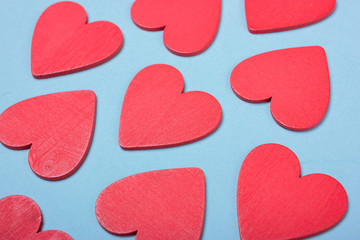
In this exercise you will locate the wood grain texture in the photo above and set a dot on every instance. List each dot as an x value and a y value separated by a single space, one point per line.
157 114
64 43
165 204
274 202
21 218
58 129
295 80
264 16
189 26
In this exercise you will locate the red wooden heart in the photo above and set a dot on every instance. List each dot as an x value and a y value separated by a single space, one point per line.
274 202
165 204
58 129
64 43
265 16
21 218
296 80
155 113
189 26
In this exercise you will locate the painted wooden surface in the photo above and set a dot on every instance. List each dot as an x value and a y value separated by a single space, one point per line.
156 113
331 148
64 43
295 80
21 218
264 16
189 26
58 129
274 202
164 204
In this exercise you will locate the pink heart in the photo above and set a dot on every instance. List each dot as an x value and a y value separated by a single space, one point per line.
295 80
265 16
274 202
58 129
64 43
156 113
166 204
189 26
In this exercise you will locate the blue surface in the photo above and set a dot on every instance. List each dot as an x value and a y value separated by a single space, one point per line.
332 148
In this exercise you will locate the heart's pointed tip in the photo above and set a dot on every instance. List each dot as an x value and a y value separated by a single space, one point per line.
37 76
90 94
125 146
255 30
123 140
35 71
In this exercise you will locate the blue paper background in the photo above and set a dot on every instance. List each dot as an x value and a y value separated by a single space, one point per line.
331 148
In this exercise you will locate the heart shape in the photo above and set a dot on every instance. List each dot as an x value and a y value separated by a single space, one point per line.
58 129
274 202
21 218
164 204
64 43
189 26
155 113
264 16
296 80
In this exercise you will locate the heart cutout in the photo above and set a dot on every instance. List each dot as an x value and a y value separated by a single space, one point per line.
64 43
21 218
58 129
189 26
156 114
164 204
274 202
264 16
296 80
